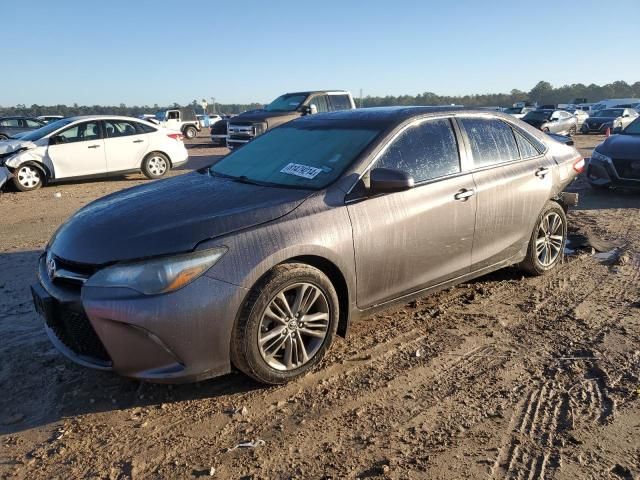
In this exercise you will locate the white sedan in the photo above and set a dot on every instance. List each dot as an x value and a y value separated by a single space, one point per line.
91 146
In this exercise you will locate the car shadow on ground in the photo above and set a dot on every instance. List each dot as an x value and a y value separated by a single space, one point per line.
40 386
600 199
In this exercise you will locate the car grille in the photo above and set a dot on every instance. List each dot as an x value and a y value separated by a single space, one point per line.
624 168
73 328
594 126
72 274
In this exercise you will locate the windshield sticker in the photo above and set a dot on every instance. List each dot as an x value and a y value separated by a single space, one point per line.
303 171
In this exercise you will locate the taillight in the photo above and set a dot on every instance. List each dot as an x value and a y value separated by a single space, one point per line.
175 136
578 165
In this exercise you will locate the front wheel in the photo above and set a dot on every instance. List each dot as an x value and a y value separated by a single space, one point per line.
27 178
546 245
572 131
155 165
286 325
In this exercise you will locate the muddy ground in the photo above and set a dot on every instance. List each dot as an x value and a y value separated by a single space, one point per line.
503 377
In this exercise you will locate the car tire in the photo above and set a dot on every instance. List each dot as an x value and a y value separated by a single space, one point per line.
546 245
3 137
545 130
27 178
155 165
268 333
572 131
190 132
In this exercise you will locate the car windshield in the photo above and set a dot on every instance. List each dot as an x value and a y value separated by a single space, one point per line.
46 130
609 112
538 115
285 103
633 128
309 156
513 110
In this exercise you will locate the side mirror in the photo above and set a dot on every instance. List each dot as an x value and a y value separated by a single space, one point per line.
309 109
626 115
313 109
388 180
56 140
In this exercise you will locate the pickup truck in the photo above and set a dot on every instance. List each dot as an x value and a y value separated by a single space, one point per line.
245 127
180 119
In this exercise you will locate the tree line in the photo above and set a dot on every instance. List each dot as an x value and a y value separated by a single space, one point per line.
542 92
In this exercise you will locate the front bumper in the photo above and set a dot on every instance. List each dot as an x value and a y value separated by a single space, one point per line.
604 174
5 176
597 128
177 337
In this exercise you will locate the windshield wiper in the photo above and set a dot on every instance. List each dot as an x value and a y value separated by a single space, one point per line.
240 179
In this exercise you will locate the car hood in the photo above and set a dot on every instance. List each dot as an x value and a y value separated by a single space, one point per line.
9 147
168 216
621 146
271 118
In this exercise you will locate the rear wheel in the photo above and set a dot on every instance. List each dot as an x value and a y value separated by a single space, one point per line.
27 178
155 165
287 324
572 131
545 130
546 245
190 132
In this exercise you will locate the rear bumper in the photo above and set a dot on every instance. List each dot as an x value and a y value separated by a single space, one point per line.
604 174
178 337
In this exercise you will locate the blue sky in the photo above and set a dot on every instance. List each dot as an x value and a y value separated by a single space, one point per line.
156 51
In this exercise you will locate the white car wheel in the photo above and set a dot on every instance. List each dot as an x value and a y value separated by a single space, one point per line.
27 178
156 165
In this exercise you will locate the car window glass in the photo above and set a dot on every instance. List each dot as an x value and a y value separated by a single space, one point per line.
9 122
142 128
80 133
527 150
425 151
119 128
320 101
492 141
173 116
32 123
339 102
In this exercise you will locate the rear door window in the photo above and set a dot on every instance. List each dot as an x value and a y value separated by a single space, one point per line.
119 128
425 151
339 102
492 141
9 122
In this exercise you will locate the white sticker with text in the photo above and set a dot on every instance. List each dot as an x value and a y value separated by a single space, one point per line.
303 171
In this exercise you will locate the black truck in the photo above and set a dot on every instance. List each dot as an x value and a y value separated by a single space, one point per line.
248 125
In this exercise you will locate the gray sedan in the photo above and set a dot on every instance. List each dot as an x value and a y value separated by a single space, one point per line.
260 260
552 121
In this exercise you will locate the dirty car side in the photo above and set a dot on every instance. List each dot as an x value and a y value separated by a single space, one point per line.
374 248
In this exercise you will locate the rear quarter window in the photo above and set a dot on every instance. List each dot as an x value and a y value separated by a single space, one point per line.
339 102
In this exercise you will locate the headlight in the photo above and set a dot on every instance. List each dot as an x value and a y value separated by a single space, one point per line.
159 275
600 157
259 128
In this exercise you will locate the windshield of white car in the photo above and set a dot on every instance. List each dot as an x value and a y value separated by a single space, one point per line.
609 112
46 130
285 103
308 156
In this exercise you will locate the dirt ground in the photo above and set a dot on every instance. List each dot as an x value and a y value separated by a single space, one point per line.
503 377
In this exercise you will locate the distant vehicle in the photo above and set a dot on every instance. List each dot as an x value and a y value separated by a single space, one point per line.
246 126
260 260
580 115
518 112
616 161
552 121
10 126
203 120
180 119
219 133
613 102
91 146
614 119
49 118
214 118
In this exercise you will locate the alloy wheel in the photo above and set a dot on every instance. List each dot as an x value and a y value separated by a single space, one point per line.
157 166
29 177
293 326
550 239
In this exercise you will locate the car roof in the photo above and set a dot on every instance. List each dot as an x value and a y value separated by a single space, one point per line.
389 116
9 117
310 92
101 117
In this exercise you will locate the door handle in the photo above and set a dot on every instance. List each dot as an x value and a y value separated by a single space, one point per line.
93 146
138 141
542 172
464 194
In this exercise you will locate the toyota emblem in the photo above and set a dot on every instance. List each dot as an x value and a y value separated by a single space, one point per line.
51 268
